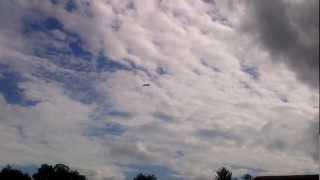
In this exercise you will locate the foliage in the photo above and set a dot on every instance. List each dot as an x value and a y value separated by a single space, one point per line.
145 177
59 171
223 174
45 172
9 173
247 177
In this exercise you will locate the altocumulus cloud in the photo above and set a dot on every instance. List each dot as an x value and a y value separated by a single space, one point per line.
72 75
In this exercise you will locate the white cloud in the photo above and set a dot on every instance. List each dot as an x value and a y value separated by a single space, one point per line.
246 121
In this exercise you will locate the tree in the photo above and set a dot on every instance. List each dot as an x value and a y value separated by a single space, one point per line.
142 176
59 171
247 177
223 174
44 172
9 173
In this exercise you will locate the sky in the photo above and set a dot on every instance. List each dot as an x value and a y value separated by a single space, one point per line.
232 83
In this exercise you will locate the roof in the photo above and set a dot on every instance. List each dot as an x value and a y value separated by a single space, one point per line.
294 177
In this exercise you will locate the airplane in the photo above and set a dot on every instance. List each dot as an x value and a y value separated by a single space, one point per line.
146 85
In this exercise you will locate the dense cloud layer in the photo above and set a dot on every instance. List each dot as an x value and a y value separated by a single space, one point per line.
289 30
72 77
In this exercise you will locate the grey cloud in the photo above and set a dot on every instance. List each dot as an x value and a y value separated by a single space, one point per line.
290 32
130 152
312 137
219 135
120 114
276 136
163 116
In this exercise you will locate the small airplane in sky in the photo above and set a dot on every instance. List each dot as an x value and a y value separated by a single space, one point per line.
146 85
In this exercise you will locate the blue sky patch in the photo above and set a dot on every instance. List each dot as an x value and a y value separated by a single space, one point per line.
250 170
160 171
66 49
79 87
49 39
55 2
36 24
163 117
114 129
212 67
106 64
162 71
252 71
70 6
137 67
10 89
119 114
52 23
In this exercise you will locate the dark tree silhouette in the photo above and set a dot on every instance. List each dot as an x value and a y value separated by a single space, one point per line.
223 174
247 177
141 176
59 171
44 172
8 173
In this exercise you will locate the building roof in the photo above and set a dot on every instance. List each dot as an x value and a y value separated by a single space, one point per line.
294 177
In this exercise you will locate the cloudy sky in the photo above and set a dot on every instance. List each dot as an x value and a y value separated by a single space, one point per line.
232 83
